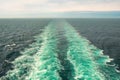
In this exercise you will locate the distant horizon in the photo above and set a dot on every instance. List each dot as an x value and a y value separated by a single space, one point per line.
60 8
75 14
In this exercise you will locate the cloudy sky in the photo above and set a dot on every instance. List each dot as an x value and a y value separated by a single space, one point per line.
54 8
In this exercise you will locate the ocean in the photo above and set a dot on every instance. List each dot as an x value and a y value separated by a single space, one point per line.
60 49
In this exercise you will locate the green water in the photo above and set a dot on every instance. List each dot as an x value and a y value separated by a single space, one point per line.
41 62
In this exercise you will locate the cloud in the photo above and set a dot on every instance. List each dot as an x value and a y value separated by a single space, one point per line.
12 8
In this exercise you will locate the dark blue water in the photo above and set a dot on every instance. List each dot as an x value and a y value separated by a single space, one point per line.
17 34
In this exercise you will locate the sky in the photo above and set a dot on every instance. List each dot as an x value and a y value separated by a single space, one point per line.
57 8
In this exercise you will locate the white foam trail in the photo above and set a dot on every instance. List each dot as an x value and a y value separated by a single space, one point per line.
89 61
46 65
38 62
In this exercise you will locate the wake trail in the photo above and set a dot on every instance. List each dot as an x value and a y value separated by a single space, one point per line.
39 62
46 64
88 61
61 53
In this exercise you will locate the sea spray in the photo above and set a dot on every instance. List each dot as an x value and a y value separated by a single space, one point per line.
89 61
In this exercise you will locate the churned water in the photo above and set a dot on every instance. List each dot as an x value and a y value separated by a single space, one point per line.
59 51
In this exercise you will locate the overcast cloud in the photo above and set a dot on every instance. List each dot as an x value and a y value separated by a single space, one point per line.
28 8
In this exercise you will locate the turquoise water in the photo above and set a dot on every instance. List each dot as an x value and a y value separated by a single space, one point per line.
42 60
